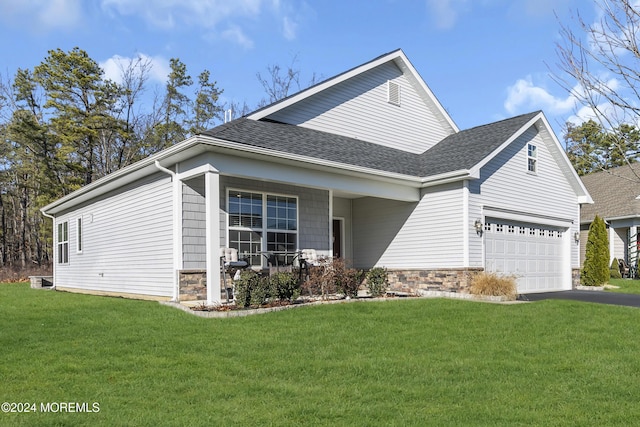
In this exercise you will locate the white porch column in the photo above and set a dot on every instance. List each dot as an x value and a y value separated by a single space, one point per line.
611 234
212 202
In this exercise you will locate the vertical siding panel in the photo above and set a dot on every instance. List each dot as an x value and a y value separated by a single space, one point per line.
358 108
127 241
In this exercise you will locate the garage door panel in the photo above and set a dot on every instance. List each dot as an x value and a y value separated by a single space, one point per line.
532 253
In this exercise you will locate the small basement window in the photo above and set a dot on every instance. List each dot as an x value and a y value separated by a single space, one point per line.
393 93
532 158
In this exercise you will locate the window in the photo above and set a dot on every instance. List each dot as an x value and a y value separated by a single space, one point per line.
532 158
79 235
254 216
63 242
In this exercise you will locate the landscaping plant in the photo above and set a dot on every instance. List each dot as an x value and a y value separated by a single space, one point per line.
595 270
614 270
377 281
491 284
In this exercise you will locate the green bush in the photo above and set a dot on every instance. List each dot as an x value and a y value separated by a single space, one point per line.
595 270
251 289
377 281
285 286
614 270
490 284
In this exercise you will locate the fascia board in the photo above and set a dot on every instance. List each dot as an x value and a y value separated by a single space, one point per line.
310 162
476 169
412 74
398 57
121 177
277 106
581 191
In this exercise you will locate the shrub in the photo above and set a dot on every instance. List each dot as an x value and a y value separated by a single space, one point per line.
377 281
490 284
347 280
614 270
285 286
595 270
333 277
244 286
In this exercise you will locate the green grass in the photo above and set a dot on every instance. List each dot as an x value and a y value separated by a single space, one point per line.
405 362
626 286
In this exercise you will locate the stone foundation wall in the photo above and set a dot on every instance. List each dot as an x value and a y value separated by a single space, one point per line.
445 279
575 278
193 285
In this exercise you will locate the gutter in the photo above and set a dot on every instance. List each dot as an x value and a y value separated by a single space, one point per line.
53 261
177 232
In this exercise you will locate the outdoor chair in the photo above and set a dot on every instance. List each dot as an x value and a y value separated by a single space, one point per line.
229 261
624 268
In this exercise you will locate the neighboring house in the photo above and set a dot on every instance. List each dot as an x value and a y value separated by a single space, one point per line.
366 165
616 199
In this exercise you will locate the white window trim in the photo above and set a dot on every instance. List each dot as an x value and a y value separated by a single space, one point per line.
263 230
62 245
79 235
534 158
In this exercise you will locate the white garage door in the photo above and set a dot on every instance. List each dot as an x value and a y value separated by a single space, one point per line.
531 252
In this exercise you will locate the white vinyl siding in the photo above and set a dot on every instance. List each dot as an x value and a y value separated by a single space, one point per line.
79 235
545 197
359 108
427 234
127 236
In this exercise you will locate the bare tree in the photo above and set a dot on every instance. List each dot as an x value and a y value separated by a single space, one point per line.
600 68
280 82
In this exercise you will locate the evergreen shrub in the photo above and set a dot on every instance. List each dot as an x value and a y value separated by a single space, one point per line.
595 270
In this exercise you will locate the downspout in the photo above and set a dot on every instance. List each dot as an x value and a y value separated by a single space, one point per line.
176 231
53 250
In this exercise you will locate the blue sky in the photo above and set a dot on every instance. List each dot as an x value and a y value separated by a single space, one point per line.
485 60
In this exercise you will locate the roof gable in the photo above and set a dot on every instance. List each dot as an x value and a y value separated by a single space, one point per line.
615 193
355 104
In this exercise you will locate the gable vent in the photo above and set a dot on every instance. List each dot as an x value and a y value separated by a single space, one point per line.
393 93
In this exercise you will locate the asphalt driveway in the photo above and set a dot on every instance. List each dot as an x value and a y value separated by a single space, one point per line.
600 297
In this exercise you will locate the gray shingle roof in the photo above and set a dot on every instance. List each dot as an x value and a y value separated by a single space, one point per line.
613 192
459 151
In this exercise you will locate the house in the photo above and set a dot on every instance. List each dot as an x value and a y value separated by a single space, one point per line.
366 165
616 199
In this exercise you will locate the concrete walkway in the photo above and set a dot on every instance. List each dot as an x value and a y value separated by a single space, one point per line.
600 297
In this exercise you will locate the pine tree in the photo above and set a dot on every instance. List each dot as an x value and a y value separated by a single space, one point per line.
595 271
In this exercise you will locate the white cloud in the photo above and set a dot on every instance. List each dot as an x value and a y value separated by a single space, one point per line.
525 96
158 71
289 28
171 13
444 13
41 15
235 34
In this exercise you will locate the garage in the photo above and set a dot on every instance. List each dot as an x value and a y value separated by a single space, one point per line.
533 253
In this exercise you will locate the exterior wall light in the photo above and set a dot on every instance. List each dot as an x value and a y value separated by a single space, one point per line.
478 226
576 236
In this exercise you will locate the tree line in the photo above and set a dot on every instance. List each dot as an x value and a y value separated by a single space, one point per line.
63 124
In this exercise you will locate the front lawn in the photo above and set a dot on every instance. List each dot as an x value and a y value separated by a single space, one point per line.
625 286
402 362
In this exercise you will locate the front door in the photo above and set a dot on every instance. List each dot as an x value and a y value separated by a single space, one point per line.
337 238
